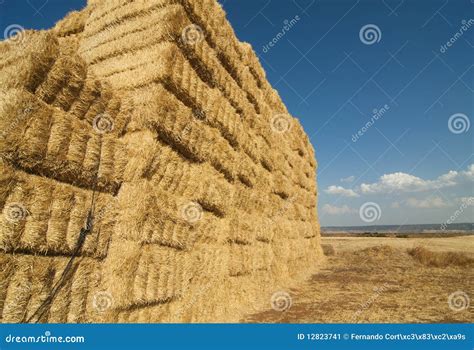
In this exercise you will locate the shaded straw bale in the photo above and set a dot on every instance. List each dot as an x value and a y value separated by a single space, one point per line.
154 121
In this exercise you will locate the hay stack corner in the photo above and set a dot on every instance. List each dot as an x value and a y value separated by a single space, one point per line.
149 172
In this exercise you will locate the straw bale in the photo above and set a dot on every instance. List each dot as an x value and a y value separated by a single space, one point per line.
221 36
195 194
53 215
47 141
113 13
28 63
30 280
63 82
246 259
88 95
131 35
148 273
73 23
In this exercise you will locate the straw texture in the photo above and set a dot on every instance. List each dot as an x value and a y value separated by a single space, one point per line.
153 118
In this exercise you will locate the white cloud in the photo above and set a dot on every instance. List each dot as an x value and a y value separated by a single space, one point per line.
403 182
346 192
333 210
469 173
348 179
466 200
427 203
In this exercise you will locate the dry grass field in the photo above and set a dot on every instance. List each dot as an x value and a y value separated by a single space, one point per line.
385 280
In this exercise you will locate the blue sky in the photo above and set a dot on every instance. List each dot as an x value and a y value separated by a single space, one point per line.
408 162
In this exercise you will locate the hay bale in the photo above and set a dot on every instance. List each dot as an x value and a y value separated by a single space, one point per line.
26 64
155 119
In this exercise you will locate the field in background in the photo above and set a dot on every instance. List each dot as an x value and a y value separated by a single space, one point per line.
385 279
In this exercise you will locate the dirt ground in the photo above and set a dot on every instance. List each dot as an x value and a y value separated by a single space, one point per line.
382 280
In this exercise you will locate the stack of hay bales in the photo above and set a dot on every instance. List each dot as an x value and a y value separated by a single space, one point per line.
153 116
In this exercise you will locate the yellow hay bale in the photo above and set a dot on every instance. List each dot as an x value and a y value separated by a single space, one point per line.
128 36
73 23
63 82
141 281
31 280
46 217
89 94
27 63
152 120
110 13
246 259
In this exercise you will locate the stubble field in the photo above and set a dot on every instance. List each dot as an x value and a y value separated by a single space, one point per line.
385 280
